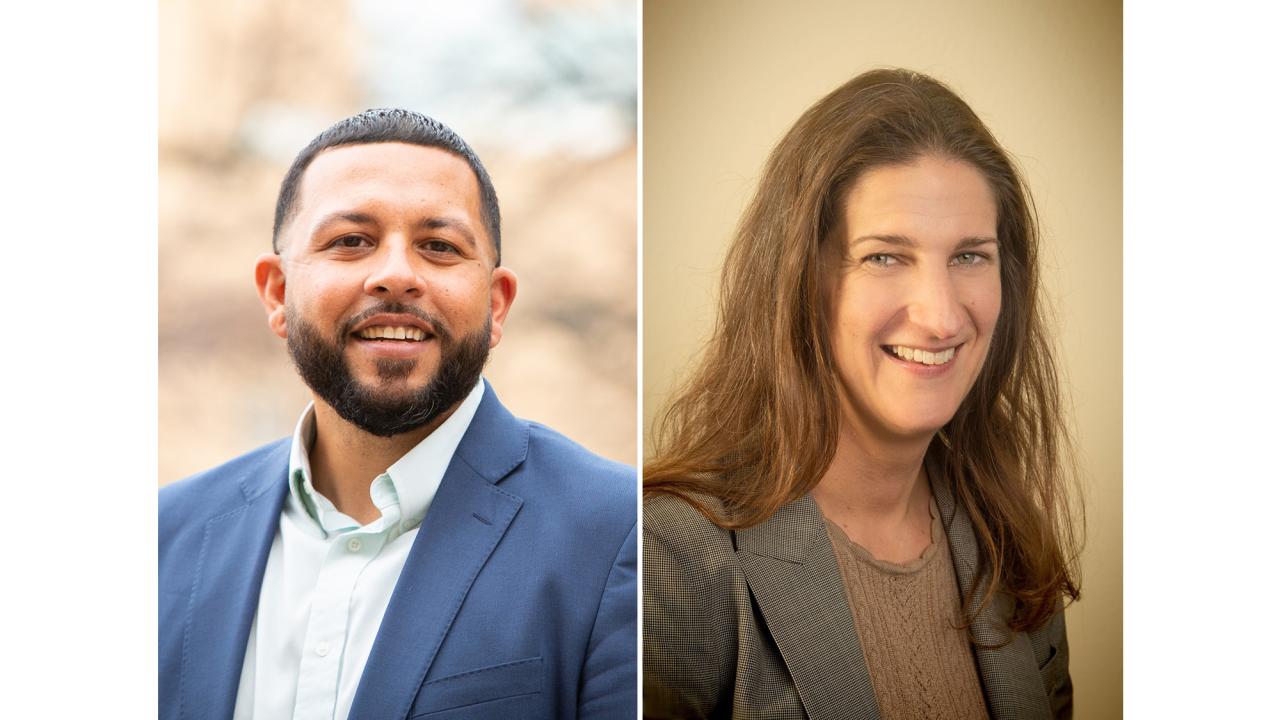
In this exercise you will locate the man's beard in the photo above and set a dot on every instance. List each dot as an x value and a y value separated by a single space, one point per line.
323 368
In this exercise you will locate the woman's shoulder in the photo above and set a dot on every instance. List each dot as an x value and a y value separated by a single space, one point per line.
694 597
680 539
676 520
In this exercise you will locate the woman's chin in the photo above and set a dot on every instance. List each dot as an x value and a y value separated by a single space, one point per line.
918 425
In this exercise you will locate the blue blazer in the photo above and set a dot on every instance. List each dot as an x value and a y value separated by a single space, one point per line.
518 598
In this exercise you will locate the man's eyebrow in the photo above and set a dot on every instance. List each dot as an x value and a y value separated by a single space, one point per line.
357 218
904 241
445 223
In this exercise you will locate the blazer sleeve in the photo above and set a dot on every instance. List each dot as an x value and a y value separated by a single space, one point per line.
609 674
1052 653
688 620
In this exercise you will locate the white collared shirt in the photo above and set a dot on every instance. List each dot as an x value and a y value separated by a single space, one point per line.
328 580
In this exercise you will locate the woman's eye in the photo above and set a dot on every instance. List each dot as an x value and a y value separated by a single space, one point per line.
969 258
880 260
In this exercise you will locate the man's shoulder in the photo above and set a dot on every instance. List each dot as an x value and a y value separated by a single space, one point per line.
552 449
561 469
222 488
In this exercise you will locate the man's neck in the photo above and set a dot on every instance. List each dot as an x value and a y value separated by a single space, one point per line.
345 459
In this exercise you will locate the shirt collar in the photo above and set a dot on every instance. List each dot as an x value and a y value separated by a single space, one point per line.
406 488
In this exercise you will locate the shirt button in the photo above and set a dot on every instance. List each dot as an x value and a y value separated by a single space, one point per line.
322 649
353 544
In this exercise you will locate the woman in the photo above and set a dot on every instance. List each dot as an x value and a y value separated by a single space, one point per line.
857 505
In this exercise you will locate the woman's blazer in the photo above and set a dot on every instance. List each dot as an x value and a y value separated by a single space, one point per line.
755 623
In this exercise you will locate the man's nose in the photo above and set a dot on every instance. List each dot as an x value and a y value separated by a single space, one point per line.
395 275
936 305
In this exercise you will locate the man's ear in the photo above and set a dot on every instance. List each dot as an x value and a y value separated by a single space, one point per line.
268 275
502 292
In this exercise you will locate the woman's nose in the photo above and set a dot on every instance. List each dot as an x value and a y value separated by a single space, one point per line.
936 306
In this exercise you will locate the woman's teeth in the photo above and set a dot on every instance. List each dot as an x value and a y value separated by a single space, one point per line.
923 356
384 332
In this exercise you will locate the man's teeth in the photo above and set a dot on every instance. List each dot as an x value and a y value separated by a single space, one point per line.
392 333
924 356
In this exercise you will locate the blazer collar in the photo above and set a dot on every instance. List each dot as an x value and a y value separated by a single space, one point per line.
224 595
465 522
791 569
496 442
1010 673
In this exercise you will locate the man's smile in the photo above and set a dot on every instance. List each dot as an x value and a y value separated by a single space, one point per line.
394 335
388 332
393 342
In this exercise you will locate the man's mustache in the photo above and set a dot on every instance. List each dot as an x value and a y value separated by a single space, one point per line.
437 325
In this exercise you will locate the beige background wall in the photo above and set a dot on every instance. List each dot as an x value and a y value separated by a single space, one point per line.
724 79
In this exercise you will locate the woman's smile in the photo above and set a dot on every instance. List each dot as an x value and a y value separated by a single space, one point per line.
923 363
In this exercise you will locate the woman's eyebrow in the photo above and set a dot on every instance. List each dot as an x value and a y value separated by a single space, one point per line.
904 241
900 240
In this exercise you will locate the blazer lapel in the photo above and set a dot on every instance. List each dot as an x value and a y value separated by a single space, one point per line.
224 596
792 572
1010 674
466 520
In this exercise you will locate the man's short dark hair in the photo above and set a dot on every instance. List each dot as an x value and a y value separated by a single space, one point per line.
388 125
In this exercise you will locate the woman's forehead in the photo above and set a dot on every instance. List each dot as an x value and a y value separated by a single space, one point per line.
923 199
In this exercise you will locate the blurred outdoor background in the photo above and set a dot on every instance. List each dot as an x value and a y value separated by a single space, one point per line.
544 90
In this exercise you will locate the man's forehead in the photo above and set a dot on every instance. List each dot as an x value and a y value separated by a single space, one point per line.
365 177
393 162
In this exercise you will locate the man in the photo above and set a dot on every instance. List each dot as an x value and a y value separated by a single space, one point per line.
413 548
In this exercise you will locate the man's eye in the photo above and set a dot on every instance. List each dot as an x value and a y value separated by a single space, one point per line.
350 241
440 246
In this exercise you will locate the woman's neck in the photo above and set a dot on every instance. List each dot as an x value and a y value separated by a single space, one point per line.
877 491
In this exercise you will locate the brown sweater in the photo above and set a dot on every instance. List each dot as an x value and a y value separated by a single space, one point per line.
921 663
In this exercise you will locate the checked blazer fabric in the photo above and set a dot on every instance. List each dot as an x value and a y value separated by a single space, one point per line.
755 623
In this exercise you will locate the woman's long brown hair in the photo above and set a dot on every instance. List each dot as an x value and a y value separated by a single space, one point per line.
755 424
